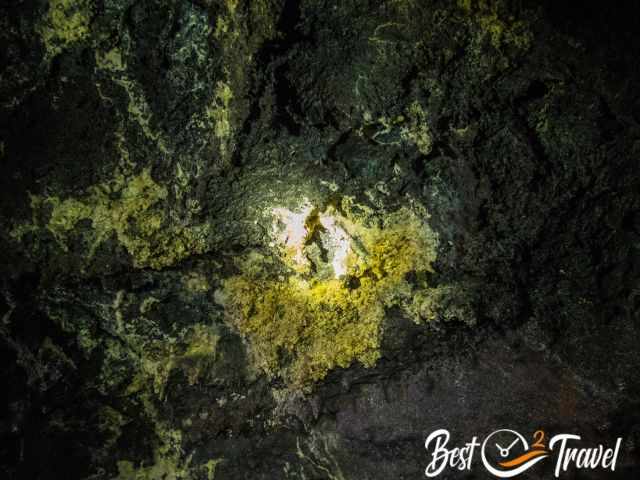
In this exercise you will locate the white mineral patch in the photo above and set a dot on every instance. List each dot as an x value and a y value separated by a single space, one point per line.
291 231
295 232
339 244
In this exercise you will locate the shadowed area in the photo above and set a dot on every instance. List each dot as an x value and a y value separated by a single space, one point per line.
289 239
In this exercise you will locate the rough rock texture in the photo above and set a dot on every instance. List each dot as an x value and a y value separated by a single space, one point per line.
276 239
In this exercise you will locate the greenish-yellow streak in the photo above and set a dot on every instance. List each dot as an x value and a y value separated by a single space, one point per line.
501 29
131 208
321 324
195 355
66 23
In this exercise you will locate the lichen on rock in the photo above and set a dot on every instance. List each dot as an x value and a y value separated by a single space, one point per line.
417 130
218 224
132 209
301 324
501 29
219 113
191 351
66 23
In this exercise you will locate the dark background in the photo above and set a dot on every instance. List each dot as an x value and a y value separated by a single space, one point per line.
531 180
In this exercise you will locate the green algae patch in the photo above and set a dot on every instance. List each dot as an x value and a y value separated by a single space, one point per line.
195 355
302 323
110 423
166 469
211 466
167 463
162 469
129 207
141 362
501 29
219 112
418 130
66 23
110 61
196 282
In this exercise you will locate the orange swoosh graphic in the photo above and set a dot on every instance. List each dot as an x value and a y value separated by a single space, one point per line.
522 458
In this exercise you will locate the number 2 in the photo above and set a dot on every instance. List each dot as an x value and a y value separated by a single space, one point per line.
538 439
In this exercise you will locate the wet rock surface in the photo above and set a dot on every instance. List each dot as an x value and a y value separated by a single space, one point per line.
431 208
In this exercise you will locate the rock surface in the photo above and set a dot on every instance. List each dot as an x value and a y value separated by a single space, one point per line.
275 239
